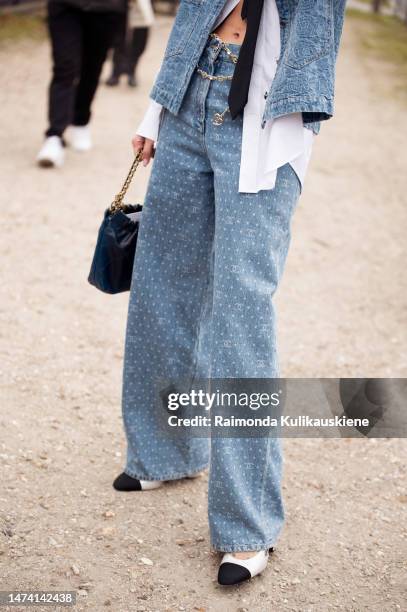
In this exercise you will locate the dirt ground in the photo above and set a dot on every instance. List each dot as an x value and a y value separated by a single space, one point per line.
342 312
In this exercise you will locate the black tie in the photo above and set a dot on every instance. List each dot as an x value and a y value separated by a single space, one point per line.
239 88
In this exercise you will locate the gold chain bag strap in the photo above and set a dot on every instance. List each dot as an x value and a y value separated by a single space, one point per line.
117 203
112 265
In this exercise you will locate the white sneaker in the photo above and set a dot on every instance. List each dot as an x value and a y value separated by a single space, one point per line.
234 571
80 138
52 154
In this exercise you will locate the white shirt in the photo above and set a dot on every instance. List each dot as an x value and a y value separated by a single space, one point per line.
264 148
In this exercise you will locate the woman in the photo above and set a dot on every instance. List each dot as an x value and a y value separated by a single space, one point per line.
240 94
132 43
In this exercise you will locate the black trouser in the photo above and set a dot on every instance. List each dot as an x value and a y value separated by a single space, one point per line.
129 50
80 42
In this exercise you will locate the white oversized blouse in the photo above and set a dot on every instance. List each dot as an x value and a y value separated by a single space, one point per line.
267 147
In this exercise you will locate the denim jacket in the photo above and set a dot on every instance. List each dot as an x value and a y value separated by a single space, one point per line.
305 77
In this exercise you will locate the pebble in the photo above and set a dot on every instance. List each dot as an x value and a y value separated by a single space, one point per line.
85 586
108 514
146 561
183 542
106 532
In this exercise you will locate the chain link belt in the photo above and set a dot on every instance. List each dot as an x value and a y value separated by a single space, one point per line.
218 118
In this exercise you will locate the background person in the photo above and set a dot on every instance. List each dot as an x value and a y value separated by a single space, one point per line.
132 42
81 31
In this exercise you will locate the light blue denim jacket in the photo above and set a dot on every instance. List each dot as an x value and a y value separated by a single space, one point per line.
305 77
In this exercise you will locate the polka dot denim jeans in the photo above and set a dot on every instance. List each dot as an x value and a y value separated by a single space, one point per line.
208 262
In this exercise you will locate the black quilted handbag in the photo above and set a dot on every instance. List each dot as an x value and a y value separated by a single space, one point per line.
112 263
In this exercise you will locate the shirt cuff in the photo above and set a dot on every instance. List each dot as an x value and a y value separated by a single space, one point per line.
150 124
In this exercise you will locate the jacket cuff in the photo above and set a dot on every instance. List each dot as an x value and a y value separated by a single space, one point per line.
301 104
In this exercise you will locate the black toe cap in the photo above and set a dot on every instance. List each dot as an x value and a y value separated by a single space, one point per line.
126 483
231 573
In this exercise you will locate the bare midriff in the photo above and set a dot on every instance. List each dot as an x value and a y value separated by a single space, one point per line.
233 29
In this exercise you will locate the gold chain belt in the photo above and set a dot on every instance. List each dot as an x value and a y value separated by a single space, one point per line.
212 77
218 118
233 59
232 56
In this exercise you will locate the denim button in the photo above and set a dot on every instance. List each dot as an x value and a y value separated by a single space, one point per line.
266 95
263 124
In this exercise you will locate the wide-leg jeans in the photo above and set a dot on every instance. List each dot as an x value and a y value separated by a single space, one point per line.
207 264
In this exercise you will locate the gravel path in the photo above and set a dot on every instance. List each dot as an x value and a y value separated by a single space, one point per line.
341 314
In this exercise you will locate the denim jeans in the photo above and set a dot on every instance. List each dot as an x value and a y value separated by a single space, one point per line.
207 264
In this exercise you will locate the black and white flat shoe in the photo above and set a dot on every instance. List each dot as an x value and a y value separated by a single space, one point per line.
124 482
234 571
